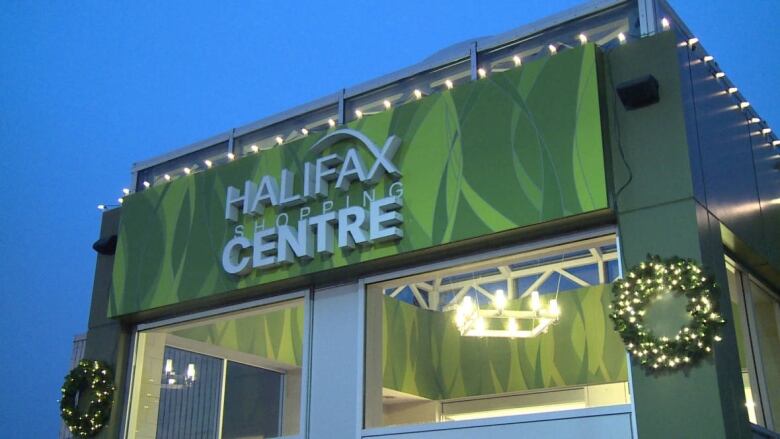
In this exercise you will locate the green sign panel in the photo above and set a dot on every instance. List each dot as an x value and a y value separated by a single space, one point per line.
518 148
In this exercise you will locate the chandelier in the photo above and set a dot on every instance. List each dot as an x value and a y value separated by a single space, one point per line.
501 322
172 380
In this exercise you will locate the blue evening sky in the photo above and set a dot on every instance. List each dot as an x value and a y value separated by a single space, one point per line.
89 87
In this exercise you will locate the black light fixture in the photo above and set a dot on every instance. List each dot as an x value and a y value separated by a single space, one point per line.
638 93
105 246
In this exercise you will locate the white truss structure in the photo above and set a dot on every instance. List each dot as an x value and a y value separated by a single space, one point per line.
430 289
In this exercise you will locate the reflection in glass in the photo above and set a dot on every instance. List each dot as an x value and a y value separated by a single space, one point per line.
232 376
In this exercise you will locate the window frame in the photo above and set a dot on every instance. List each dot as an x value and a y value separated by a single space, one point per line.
304 295
473 259
756 366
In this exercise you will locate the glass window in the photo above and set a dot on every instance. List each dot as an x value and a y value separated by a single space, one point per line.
232 376
757 324
521 334
767 316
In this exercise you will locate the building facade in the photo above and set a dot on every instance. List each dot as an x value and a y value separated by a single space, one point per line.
432 254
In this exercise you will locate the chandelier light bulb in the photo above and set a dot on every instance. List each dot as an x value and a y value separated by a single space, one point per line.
554 309
254 148
231 156
622 38
720 75
449 84
331 123
187 171
665 23
499 300
583 39
482 73
417 94
147 184
279 140
732 90
304 131
167 177
553 50
536 303
358 114
126 191
191 372
518 62
101 207
387 104
467 304
208 163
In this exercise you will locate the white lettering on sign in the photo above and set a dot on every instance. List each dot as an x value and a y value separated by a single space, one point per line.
352 227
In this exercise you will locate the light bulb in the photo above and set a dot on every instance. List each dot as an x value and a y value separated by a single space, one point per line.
231 156
449 84
708 58
191 371
101 207
553 50
187 171
387 104
331 123
481 325
171 381
460 319
719 75
744 104
755 120
554 310
622 37
467 304
358 114
518 62
120 200
482 73
766 131
776 142
417 94
208 163
665 23
254 148
693 41
126 191
167 177
499 300
279 140
583 39
535 302
147 184
168 365
732 90
304 131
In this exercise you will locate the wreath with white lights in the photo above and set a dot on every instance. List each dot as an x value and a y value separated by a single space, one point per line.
92 379
650 280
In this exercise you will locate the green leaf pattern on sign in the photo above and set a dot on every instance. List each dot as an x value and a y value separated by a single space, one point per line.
518 148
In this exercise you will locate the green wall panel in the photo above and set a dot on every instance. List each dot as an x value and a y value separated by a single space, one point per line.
275 335
425 355
518 148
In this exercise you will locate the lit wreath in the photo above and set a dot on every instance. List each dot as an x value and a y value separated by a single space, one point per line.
88 379
654 278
